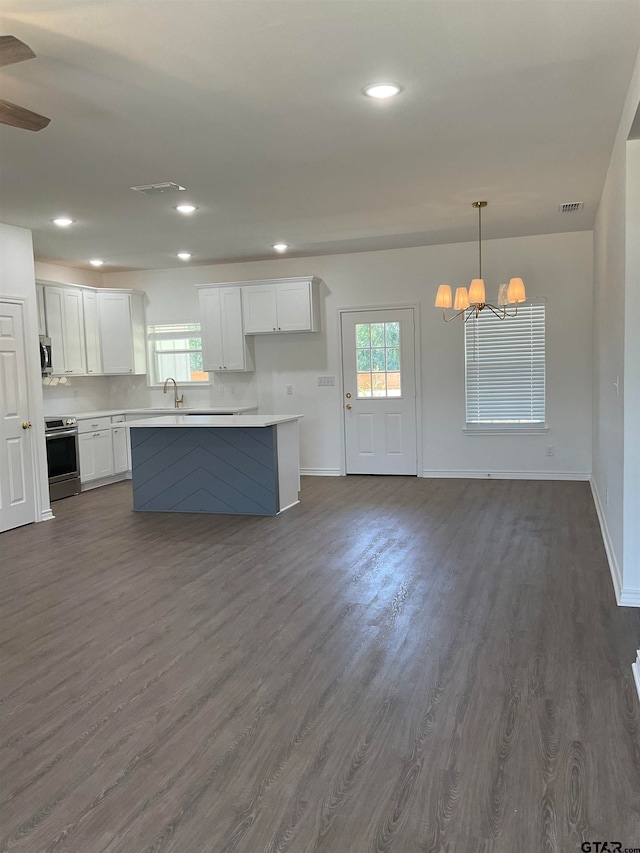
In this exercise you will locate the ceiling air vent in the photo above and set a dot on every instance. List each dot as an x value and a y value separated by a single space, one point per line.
157 189
571 207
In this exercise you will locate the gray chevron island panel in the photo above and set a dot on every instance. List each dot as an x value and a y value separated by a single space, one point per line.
232 470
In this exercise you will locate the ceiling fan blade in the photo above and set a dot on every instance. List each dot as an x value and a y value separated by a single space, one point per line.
17 116
13 50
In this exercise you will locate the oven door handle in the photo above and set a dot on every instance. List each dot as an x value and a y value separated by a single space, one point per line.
60 433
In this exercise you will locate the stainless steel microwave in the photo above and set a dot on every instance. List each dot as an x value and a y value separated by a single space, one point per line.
45 355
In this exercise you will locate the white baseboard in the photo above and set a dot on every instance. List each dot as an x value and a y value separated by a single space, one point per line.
614 568
46 515
508 475
635 667
629 597
320 472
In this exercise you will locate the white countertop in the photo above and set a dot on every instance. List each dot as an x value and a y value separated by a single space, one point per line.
165 410
213 421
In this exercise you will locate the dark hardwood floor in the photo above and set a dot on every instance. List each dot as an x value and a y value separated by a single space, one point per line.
394 665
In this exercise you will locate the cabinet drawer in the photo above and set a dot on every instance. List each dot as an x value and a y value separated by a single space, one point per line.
93 424
117 419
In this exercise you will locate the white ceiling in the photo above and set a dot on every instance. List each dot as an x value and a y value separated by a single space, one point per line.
256 108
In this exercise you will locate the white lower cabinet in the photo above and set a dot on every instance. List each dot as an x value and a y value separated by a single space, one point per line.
120 450
96 455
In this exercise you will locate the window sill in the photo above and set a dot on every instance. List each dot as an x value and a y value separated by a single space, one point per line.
487 429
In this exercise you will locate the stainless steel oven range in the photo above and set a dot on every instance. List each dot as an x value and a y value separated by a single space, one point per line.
62 457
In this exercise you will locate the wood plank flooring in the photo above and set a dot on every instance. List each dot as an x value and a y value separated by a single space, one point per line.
396 664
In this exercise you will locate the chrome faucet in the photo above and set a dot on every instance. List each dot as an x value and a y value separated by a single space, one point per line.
177 401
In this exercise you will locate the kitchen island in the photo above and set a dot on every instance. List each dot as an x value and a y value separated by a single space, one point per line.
232 465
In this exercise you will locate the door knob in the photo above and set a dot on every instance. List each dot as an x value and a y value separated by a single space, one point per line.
26 425
348 406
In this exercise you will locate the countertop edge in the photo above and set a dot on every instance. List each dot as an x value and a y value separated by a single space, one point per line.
213 421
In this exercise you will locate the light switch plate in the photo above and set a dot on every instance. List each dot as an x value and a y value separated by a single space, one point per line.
325 381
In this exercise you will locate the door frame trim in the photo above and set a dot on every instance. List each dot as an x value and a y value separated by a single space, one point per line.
417 355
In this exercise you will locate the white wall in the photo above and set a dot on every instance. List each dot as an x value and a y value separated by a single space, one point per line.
67 275
616 286
558 267
17 280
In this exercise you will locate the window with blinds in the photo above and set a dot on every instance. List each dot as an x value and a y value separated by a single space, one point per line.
505 367
175 349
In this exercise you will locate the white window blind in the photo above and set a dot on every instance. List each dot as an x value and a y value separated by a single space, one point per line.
505 367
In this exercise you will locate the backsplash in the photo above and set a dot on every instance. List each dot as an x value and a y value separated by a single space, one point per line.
96 393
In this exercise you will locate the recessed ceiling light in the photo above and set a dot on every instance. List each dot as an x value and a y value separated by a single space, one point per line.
186 208
63 221
184 256
382 90
280 247
96 262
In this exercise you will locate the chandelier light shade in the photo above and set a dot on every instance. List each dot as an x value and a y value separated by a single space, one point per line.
462 299
468 305
443 296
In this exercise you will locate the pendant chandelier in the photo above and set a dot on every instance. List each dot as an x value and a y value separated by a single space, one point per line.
470 303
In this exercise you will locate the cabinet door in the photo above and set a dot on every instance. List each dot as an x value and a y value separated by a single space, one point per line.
120 460
42 323
87 458
260 312
103 453
53 297
294 307
73 332
211 328
96 455
233 344
92 331
115 332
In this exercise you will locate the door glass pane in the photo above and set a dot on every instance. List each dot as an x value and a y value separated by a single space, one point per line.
363 357
363 335
392 334
378 359
364 384
377 334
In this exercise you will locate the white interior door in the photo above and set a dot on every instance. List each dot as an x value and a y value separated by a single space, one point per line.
17 490
379 380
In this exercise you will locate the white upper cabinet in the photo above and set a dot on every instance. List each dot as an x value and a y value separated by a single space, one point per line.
224 346
260 309
121 332
281 305
92 332
65 321
42 323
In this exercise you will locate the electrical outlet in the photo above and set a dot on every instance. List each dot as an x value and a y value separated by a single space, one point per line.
326 381
290 390
550 450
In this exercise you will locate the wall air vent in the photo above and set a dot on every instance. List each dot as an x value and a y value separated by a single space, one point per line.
157 189
571 207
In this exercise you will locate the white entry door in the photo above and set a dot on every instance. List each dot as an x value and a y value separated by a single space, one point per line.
379 379
17 494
